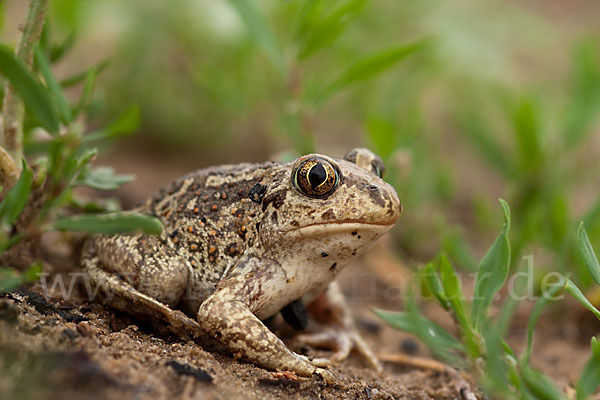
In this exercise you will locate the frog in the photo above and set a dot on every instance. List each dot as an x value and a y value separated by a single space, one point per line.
242 242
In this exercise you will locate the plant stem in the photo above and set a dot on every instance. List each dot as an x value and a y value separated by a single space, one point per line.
13 111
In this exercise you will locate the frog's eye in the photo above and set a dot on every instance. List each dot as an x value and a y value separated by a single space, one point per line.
316 177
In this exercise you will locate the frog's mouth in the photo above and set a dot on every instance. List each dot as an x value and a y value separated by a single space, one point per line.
352 227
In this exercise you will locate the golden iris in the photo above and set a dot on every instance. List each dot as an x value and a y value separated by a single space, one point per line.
316 177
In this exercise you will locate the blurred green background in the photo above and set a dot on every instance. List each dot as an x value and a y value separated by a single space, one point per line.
465 101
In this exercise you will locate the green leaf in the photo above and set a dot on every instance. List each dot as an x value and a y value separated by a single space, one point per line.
527 127
82 76
59 96
32 92
16 199
103 178
110 223
372 65
260 31
59 50
453 289
88 90
589 379
583 107
327 30
492 272
588 254
539 384
574 291
127 123
432 280
433 335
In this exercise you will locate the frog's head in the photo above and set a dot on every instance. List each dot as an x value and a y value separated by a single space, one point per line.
329 210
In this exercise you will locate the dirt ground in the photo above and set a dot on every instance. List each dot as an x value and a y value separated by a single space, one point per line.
57 348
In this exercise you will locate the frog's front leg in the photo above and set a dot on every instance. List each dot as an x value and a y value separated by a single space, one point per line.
253 287
340 333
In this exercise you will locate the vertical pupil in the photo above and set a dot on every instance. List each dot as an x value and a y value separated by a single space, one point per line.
317 175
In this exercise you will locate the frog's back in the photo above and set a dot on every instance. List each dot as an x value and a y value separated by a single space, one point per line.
210 218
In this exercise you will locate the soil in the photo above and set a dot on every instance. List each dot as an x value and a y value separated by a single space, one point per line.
57 346
51 348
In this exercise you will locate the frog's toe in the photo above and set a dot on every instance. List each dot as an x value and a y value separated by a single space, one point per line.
326 375
183 325
342 342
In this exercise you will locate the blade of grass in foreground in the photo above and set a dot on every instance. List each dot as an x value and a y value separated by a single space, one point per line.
588 254
110 223
33 94
492 272
588 381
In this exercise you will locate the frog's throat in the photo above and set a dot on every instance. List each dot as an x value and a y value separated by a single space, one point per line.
340 227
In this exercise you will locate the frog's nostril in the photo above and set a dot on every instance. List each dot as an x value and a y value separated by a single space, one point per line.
372 188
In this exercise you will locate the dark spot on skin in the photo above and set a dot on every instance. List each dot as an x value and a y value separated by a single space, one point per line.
277 198
323 254
354 233
257 193
232 249
374 193
274 218
173 233
329 214
295 223
353 253
333 266
257 226
203 220
359 236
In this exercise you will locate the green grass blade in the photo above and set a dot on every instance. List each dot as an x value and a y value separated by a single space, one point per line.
31 91
453 289
539 384
583 108
434 336
589 380
588 254
432 280
64 109
15 200
527 128
492 272
125 124
110 223
330 27
371 65
261 32
574 291
103 178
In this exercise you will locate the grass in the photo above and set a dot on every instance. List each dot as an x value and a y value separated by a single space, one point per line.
481 346
43 197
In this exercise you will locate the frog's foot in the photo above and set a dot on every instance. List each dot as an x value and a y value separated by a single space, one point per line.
341 340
